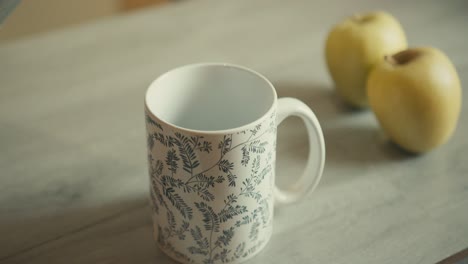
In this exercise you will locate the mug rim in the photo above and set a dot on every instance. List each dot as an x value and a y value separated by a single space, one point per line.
219 131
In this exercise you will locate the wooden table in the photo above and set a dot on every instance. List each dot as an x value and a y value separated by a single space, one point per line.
73 176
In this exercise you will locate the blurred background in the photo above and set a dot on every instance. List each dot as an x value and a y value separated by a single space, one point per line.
55 14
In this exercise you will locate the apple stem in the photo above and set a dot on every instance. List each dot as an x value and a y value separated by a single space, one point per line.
362 18
403 57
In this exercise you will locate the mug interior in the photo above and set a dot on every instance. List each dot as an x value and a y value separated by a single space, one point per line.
210 97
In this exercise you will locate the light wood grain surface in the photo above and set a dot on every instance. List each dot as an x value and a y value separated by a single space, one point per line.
73 176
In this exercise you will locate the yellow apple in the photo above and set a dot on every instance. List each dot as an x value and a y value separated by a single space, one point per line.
416 97
355 45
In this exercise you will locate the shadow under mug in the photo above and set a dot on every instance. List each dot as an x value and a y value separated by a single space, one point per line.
211 136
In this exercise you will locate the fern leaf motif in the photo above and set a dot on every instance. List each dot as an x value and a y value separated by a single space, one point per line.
150 121
187 153
178 202
171 160
210 218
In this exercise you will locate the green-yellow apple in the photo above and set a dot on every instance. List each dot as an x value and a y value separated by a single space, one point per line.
416 97
355 45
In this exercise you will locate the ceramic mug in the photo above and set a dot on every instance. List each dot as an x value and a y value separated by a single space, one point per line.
211 135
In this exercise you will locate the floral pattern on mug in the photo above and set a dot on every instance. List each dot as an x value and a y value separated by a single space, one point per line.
212 194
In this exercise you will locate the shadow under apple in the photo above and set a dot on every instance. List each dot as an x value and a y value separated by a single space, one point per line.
321 98
353 138
361 145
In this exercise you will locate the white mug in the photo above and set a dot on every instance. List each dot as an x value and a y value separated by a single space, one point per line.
211 131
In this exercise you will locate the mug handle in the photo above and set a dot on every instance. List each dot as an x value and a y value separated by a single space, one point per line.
316 160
